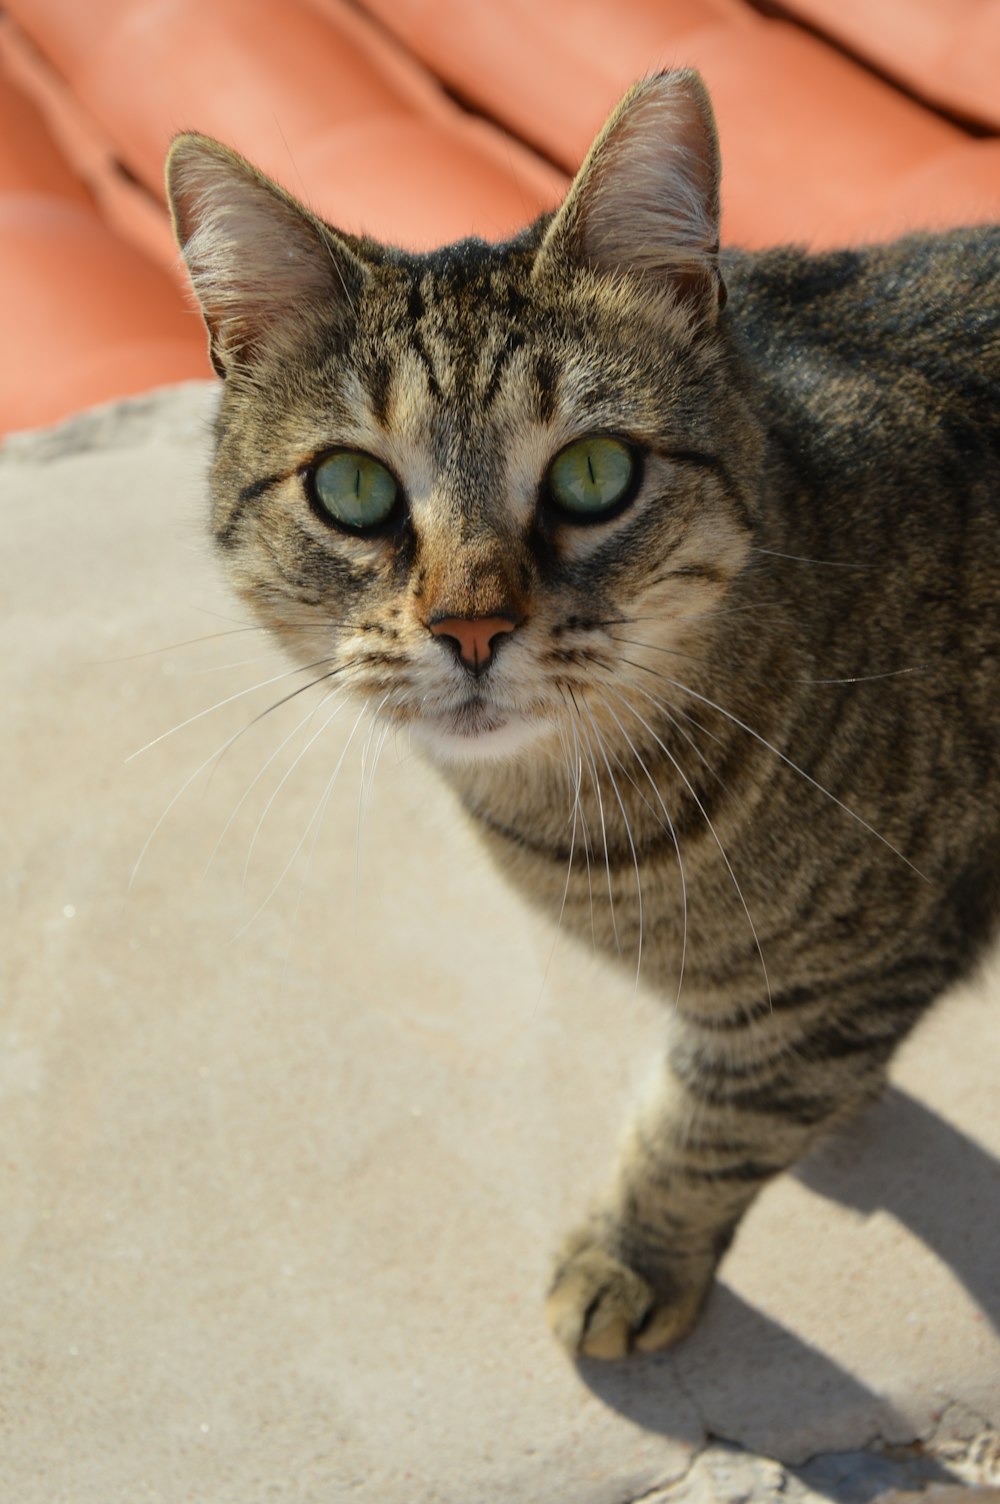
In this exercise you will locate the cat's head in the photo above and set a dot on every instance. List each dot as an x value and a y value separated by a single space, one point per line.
490 483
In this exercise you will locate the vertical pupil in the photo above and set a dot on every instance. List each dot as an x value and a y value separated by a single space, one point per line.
357 483
590 471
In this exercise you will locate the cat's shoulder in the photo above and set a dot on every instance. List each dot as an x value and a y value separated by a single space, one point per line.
857 299
918 271
926 300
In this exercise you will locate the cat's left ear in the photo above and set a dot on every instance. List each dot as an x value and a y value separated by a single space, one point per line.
260 263
646 200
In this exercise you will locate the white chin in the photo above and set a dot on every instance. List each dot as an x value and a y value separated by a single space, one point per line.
479 734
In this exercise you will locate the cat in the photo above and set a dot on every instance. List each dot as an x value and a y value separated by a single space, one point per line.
684 568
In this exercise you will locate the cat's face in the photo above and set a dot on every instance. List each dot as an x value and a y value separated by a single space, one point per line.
486 488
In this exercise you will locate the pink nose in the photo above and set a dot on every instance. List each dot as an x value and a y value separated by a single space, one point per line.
473 637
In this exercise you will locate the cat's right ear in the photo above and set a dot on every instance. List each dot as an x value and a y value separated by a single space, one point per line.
258 260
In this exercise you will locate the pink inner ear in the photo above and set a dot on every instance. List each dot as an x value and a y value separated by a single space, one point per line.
256 258
647 198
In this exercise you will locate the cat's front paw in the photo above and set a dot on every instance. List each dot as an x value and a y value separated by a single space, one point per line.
599 1307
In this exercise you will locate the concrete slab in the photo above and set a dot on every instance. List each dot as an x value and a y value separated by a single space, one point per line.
293 1121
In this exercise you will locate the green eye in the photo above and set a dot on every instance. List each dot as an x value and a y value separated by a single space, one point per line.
355 489
591 476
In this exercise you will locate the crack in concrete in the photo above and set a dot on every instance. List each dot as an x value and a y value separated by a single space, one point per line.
961 1449
664 1489
968 1443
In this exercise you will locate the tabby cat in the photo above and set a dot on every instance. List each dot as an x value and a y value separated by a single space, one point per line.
684 567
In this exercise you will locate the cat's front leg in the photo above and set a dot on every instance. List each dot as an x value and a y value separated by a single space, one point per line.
720 1124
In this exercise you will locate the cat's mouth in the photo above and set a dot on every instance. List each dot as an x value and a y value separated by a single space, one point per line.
474 717
475 729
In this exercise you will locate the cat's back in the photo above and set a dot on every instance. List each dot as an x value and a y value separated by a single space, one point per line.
893 348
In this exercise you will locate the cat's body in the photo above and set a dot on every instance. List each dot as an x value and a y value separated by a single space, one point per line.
861 640
739 722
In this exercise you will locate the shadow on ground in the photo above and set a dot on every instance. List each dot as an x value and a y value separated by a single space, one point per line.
937 1181
902 1159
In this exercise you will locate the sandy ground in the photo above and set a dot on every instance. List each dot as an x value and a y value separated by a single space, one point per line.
296 1100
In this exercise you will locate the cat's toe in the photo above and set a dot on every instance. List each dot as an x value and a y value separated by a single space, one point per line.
667 1324
599 1307
597 1304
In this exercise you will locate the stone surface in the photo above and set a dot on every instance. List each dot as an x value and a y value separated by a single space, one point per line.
293 1113
722 1474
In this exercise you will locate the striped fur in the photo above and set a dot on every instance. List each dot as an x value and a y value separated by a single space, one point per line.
745 732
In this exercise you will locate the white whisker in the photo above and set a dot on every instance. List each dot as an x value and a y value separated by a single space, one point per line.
715 836
566 749
320 808
668 714
795 767
595 778
239 695
218 752
669 825
223 668
320 811
653 647
628 832
174 647
365 788
578 806
213 757
822 563
277 790
337 690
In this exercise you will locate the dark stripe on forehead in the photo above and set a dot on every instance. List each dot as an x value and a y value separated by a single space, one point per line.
424 355
415 303
378 384
547 385
415 310
512 343
377 372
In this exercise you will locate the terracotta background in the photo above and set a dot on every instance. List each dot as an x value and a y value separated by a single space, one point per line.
424 120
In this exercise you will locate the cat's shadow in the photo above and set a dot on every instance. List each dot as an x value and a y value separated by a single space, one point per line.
905 1159
753 1380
